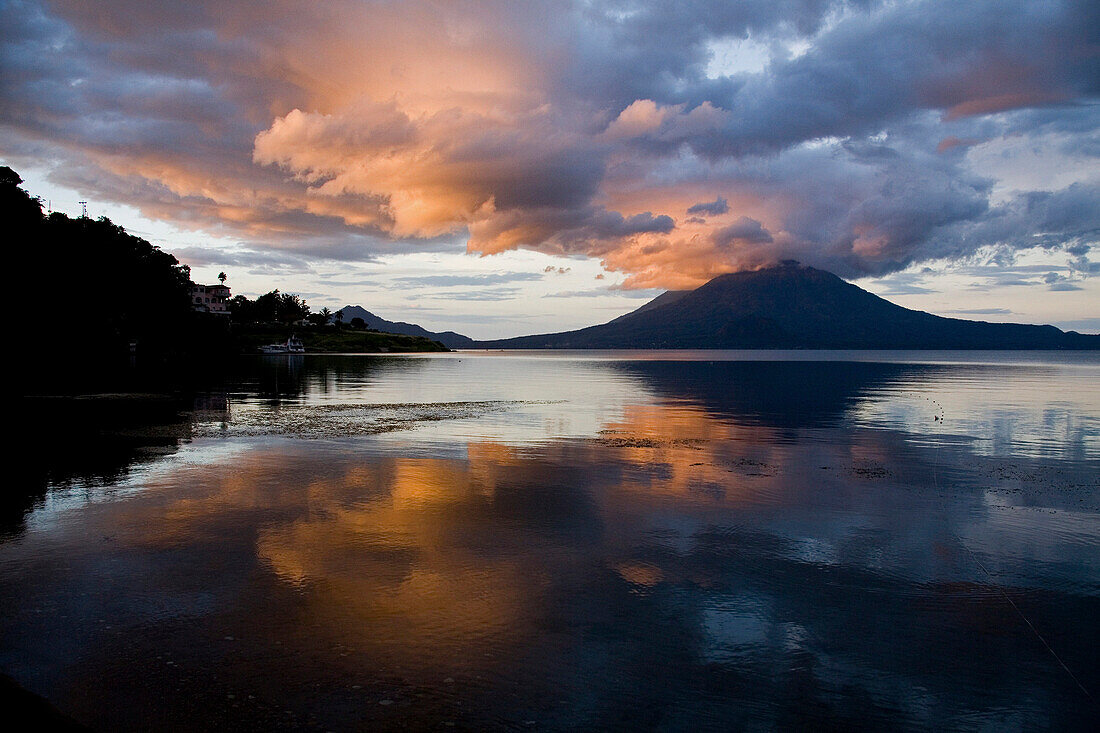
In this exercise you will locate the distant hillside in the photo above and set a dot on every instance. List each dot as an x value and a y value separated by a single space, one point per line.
793 307
450 339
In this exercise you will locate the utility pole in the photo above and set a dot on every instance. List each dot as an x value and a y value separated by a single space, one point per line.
83 209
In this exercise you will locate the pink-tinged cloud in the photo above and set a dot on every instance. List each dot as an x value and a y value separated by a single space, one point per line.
951 142
573 128
1001 103
437 173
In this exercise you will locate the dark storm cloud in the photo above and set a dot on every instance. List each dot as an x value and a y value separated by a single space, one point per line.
1067 219
361 128
713 208
959 59
744 229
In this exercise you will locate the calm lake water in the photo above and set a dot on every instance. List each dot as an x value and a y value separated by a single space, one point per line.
570 541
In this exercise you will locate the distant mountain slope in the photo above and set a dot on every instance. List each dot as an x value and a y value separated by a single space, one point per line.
669 296
450 339
793 307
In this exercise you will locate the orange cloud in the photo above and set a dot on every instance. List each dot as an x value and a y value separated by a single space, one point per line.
1001 103
435 173
575 130
645 119
950 142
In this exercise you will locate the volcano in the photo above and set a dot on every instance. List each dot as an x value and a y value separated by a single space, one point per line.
792 306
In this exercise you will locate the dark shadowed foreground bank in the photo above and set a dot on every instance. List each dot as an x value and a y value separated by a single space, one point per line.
31 710
561 542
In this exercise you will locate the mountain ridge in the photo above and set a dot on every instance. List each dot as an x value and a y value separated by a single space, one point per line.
450 339
792 306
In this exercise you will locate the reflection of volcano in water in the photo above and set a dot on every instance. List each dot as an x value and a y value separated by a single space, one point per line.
783 394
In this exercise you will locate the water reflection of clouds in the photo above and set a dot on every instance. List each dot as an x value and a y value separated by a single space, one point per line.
1009 411
810 550
1012 408
718 439
827 497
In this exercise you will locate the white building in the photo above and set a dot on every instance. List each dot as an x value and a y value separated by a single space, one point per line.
210 298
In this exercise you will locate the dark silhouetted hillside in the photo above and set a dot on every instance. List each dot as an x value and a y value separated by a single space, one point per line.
793 307
94 297
450 339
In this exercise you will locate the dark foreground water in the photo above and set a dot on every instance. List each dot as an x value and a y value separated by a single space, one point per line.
715 541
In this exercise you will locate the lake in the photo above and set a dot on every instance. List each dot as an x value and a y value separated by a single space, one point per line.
568 541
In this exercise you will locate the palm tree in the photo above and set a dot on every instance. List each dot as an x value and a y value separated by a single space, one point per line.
222 277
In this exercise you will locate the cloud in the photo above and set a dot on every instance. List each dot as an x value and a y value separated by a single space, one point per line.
714 208
951 143
457 280
982 311
605 292
998 273
744 229
489 294
1058 282
357 129
893 288
254 260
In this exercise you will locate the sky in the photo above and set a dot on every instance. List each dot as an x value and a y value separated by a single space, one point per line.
503 168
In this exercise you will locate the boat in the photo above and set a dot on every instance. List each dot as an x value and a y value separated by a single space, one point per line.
293 345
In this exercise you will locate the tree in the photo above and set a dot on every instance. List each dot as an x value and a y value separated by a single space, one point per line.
242 310
292 308
9 178
82 256
273 307
222 277
21 210
267 306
